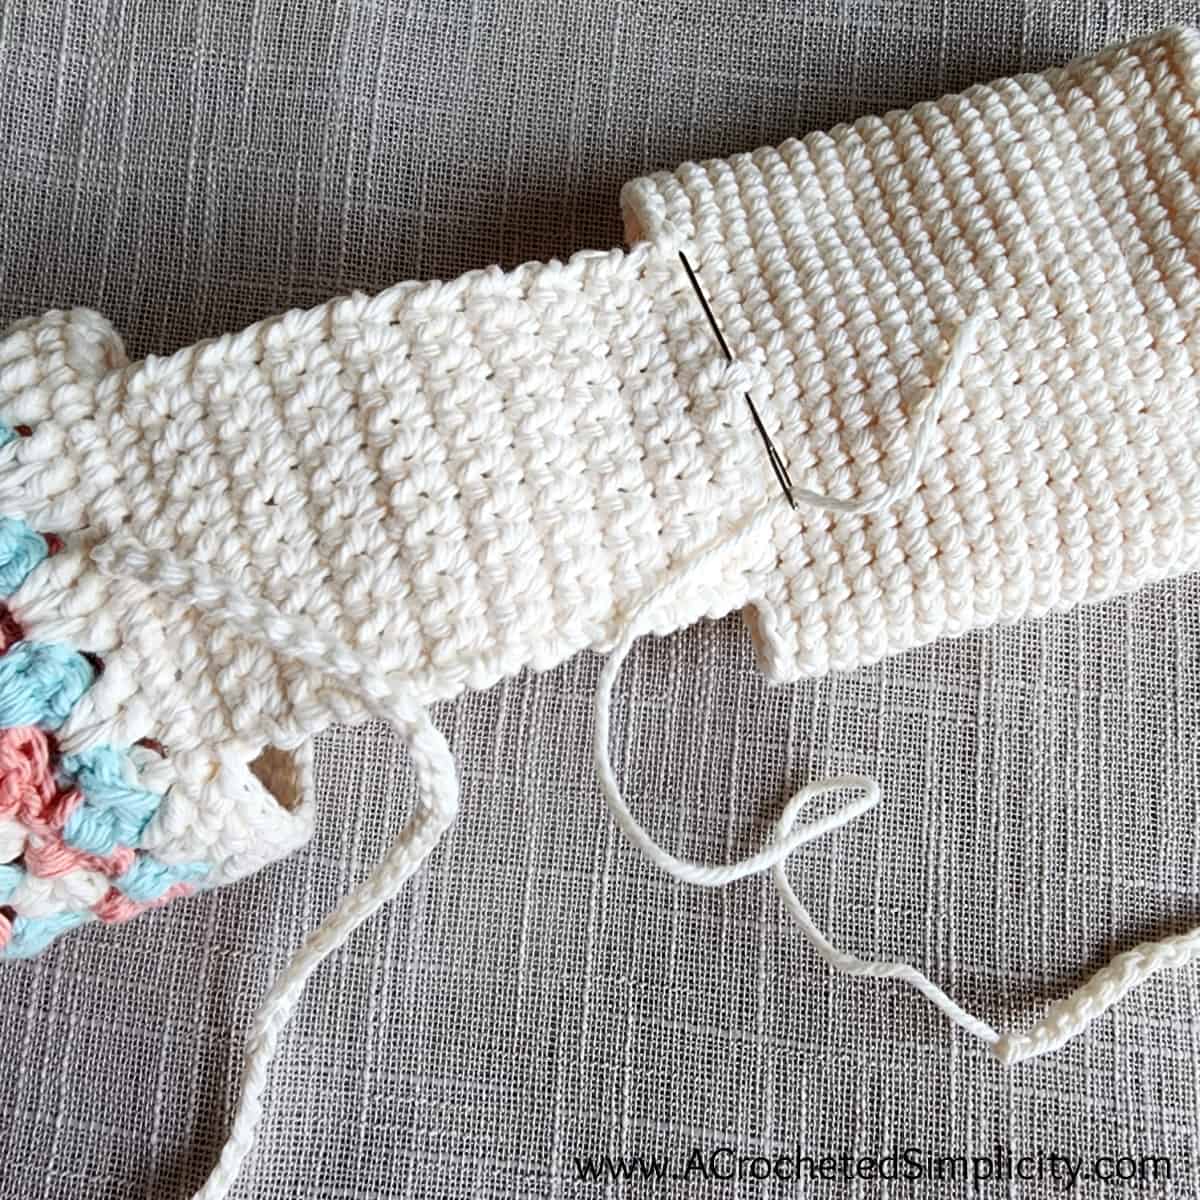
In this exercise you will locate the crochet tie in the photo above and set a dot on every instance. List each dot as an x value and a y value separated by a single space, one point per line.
436 805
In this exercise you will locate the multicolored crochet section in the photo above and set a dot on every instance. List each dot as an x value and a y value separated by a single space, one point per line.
71 826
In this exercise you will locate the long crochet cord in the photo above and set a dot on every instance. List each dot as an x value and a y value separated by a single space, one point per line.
437 803
1064 1019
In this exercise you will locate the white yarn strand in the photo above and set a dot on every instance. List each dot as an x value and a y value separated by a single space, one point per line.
1062 1021
1070 1016
842 961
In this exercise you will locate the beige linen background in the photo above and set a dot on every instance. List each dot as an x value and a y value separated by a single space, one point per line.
539 992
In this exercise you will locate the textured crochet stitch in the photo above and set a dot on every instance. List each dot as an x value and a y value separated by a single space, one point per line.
972 331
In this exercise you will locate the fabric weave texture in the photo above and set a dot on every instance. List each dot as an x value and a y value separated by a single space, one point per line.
1070 743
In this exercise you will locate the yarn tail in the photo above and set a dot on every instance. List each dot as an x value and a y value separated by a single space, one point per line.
1063 1020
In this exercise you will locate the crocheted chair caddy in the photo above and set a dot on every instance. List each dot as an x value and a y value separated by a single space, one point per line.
970 330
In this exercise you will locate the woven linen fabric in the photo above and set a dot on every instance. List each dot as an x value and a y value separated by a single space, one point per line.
540 994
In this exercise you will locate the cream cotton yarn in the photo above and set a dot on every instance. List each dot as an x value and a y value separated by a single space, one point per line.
972 331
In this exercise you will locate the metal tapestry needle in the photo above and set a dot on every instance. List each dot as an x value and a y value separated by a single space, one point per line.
781 473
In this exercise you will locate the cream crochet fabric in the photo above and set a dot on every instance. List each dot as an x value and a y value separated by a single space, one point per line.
970 330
